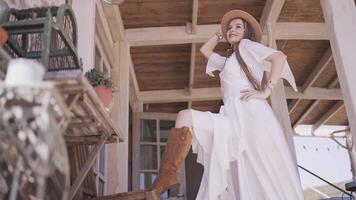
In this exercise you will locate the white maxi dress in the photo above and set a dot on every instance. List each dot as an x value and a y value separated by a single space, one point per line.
243 148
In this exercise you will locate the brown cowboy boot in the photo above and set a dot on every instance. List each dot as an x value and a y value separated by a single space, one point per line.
176 150
3 36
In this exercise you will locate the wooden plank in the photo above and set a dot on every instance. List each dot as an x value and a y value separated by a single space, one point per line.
271 13
137 195
301 31
195 16
341 25
206 94
320 67
311 107
103 43
178 35
293 105
192 68
134 87
158 116
328 115
114 19
123 115
280 108
136 124
72 100
87 140
306 113
315 93
103 20
334 83
86 167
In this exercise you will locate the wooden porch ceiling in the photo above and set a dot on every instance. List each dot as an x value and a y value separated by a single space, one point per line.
167 63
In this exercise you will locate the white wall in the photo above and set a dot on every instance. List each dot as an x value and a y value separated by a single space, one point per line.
323 157
84 11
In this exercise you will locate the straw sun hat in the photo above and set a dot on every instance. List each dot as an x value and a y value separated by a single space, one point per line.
233 14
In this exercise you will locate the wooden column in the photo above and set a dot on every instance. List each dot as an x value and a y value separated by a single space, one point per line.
113 178
340 18
122 60
279 105
137 108
84 11
280 108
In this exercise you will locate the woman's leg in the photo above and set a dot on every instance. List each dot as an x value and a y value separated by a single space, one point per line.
184 119
177 148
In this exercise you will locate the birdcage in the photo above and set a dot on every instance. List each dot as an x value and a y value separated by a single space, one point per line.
33 156
48 35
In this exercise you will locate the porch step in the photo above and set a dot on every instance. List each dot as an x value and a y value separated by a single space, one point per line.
137 195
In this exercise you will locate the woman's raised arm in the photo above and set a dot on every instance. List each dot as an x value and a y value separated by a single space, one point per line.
208 46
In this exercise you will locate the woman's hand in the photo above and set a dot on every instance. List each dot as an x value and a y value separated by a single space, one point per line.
254 94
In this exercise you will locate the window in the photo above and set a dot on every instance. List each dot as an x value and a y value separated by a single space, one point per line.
153 136
100 172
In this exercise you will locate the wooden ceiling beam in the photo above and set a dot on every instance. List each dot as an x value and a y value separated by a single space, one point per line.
104 21
320 67
306 113
113 16
334 82
195 16
134 88
193 49
293 105
271 13
207 94
192 70
178 35
301 31
328 115
315 103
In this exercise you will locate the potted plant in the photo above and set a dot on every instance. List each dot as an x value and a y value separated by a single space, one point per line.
102 86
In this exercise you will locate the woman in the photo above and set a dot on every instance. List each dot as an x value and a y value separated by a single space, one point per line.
243 149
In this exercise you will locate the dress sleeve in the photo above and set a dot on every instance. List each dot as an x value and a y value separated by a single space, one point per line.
215 62
256 53
259 51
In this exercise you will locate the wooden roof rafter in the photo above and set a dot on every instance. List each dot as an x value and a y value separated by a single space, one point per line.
314 75
270 14
328 115
193 49
314 104
320 67
207 94
178 35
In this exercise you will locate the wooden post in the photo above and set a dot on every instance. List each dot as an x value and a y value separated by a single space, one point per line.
122 60
113 178
340 18
84 11
280 108
137 108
